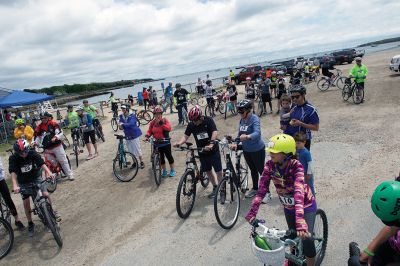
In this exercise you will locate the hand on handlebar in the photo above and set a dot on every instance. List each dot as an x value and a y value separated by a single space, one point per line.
208 147
233 147
365 258
52 176
176 145
303 234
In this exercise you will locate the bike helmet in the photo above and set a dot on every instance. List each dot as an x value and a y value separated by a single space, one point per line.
244 105
45 114
385 201
209 82
19 122
124 106
85 101
280 72
178 85
358 59
158 110
79 108
195 113
282 143
273 72
21 146
70 107
299 88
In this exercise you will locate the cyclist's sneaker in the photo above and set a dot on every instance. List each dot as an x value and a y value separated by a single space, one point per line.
164 173
212 194
31 229
267 198
251 193
71 178
141 165
277 112
19 225
172 173
89 157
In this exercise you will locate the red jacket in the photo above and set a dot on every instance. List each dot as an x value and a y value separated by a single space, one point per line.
53 129
145 95
159 131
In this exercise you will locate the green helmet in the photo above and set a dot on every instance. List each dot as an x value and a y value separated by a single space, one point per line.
385 201
19 121
282 143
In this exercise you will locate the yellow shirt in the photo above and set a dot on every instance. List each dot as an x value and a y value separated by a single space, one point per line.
27 132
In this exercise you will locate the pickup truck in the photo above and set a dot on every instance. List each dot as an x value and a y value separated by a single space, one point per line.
250 71
343 56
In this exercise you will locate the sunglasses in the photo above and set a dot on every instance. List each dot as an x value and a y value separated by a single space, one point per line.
295 97
392 223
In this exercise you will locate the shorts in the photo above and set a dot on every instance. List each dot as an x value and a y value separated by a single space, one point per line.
133 146
210 101
266 97
233 98
211 161
272 86
280 93
89 134
27 190
360 85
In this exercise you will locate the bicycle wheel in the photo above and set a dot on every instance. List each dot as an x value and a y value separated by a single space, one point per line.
357 99
76 152
5 211
66 141
193 101
346 92
227 203
320 235
340 82
125 166
244 176
156 167
6 237
114 124
186 194
202 101
51 223
100 134
185 116
260 108
226 110
208 111
323 84
204 179
50 186
221 108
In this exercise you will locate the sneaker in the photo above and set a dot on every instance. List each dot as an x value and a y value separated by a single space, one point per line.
141 165
58 217
19 225
172 173
267 198
31 229
89 157
71 178
277 112
251 193
212 194
164 173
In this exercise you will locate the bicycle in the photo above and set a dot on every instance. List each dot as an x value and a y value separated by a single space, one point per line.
99 132
4 210
353 89
143 116
6 237
43 209
261 109
229 106
227 197
184 114
279 239
325 83
188 183
155 158
198 99
75 144
125 164
115 122
221 102
210 107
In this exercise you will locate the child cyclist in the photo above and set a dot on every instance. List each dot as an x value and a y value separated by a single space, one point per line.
299 204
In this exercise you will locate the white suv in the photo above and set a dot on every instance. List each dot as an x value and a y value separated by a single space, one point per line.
395 63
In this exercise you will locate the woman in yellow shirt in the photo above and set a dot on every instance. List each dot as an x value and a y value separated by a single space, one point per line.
22 131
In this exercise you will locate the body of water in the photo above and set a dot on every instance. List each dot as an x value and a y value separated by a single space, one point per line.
217 75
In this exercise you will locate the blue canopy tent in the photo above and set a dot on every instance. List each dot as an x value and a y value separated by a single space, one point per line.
10 98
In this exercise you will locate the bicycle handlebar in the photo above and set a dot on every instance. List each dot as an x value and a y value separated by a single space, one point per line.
187 148
271 232
35 185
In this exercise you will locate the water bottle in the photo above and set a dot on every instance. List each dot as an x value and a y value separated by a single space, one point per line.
261 242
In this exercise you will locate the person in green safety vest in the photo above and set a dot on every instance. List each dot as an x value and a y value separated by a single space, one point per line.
73 119
231 75
93 112
359 72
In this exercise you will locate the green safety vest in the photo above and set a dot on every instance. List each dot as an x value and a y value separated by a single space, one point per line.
91 110
73 120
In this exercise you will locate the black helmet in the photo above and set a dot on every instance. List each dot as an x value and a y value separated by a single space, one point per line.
70 106
178 85
46 114
208 82
244 105
299 88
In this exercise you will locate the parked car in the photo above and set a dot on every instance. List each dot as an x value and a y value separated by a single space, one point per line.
275 67
346 55
395 64
360 53
289 64
250 71
327 58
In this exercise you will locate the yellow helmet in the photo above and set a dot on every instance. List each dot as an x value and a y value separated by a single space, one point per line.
282 143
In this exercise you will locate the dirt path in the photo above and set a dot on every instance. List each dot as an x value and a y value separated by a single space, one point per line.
135 223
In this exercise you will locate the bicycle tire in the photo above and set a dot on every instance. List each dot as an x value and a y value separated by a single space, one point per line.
323 84
100 134
185 116
321 247
227 185
340 82
260 108
117 164
187 185
354 250
76 152
226 110
8 232
204 181
201 102
66 141
147 115
50 186
244 176
5 211
221 108
51 223
358 99
156 167
114 124
346 92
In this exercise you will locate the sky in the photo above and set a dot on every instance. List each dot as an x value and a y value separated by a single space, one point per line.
54 42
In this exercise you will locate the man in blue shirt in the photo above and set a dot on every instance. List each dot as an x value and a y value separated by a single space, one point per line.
303 116
169 96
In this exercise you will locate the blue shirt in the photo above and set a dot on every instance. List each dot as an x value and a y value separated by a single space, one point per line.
304 158
168 91
251 127
129 124
307 114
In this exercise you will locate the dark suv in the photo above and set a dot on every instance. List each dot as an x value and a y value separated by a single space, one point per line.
346 55
250 71
289 64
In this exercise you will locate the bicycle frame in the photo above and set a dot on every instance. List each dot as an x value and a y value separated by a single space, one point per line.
121 153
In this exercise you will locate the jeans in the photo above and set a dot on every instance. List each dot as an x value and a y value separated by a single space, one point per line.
180 107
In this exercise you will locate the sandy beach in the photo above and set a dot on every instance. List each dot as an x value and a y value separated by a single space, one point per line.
112 223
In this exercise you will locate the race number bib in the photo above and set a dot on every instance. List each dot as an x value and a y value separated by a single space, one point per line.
26 168
287 200
243 128
202 135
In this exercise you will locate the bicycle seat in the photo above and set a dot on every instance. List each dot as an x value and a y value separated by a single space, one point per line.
188 144
119 136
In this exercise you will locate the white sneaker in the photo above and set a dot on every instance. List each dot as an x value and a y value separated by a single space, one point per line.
71 178
267 198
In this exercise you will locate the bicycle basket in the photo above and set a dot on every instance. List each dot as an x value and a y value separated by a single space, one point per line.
273 257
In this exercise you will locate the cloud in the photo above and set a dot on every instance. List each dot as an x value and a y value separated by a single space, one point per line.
47 42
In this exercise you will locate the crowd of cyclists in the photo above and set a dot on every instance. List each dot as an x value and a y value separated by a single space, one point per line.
289 167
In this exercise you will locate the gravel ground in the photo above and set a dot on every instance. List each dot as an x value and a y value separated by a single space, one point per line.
111 223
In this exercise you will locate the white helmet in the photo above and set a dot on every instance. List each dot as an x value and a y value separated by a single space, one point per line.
79 108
